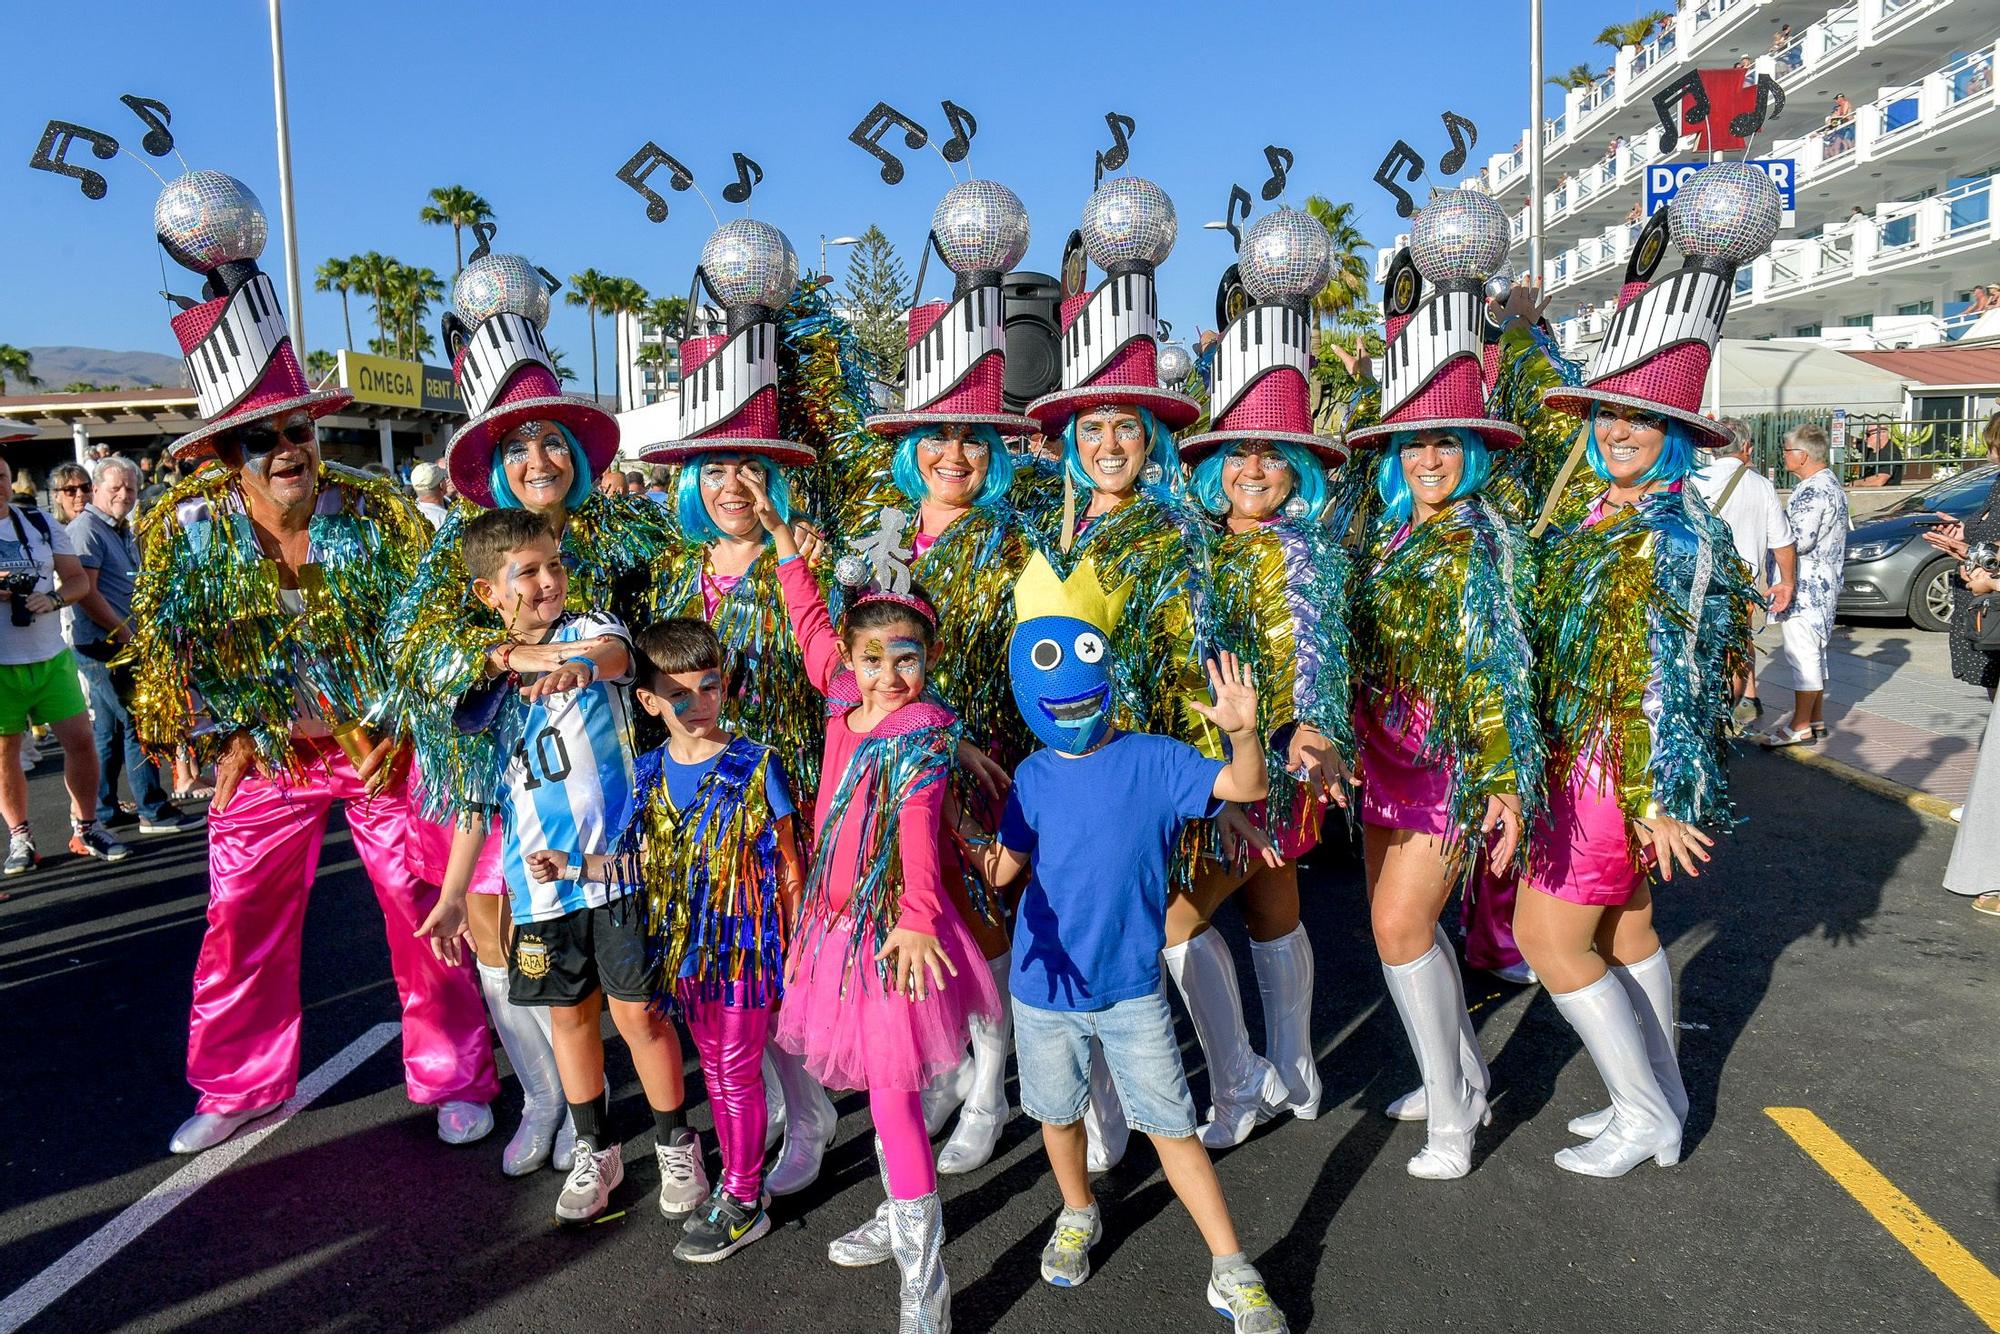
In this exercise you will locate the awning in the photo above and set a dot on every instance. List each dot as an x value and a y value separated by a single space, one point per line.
1953 365
1786 375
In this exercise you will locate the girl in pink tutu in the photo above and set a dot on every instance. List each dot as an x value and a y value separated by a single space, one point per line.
883 978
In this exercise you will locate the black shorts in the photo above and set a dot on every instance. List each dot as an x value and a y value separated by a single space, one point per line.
561 961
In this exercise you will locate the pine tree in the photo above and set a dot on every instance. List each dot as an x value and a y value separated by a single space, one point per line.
876 299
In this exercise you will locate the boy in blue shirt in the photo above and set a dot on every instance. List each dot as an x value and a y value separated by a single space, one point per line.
1095 818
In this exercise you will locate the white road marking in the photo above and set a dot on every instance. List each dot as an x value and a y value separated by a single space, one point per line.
39 1292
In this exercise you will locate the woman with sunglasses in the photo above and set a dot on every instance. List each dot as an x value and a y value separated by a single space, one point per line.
1641 618
69 491
526 446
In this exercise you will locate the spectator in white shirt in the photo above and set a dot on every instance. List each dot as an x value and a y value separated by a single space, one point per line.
427 480
1749 504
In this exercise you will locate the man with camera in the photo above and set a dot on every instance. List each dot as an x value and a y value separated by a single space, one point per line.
99 626
39 576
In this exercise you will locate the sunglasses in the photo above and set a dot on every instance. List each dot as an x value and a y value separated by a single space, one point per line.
78 489
262 437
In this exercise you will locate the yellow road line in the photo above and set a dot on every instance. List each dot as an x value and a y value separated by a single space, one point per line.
1936 1249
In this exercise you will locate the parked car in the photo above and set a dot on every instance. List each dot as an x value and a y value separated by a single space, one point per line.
1892 571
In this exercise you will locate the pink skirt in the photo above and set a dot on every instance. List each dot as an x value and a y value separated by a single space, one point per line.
853 1034
430 853
1579 853
1399 790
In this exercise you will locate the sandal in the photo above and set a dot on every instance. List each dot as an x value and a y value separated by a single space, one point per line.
1785 736
193 794
1819 731
1988 903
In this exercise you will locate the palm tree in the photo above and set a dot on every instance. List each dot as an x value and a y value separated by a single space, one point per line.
335 276
374 273
667 312
415 290
1347 281
1578 76
556 363
590 289
86 387
626 297
320 366
18 364
1618 36
456 207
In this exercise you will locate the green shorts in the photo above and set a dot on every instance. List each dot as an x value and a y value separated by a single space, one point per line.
39 692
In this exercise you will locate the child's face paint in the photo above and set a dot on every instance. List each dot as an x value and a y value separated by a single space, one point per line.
690 703
890 667
529 588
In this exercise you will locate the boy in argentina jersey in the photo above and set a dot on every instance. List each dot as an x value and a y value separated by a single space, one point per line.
578 944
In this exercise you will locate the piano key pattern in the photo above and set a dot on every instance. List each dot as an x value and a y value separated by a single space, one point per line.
1263 339
229 362
1445 326
967 333
501 345
1685 307
723 385
1120 310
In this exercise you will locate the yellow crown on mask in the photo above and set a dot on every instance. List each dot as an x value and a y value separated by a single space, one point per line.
1038 592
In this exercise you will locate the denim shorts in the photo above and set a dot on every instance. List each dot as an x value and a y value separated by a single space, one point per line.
1137 1035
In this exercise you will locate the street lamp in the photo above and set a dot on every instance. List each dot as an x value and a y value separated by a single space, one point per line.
838 240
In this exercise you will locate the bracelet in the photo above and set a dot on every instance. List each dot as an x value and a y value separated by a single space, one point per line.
783 561
572 871
506 647
585 661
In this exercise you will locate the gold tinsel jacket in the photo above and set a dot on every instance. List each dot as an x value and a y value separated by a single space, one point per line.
215 649
439 633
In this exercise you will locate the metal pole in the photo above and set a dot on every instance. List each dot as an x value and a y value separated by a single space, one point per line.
285 219
1534 137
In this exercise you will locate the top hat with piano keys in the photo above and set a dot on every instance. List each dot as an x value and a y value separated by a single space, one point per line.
1433 367
728 402
955 371
1109 341
1259 390
506 376
239 352
1656 353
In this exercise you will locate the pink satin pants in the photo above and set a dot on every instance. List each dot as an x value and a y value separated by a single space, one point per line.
263 852
730 1039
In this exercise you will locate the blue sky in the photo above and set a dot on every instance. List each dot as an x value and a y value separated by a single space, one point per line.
536 106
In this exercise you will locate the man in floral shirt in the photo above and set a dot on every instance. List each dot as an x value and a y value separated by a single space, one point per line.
1818 514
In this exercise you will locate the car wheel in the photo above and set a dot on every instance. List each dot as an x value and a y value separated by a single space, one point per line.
1930 596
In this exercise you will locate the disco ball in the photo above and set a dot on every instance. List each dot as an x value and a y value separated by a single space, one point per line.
1285 256
981 226
852 571
1460 235
206 219
1174 365
750 263
1499 287
1128 220
495 283
1728 212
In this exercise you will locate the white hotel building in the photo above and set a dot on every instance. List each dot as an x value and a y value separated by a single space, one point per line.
1896 221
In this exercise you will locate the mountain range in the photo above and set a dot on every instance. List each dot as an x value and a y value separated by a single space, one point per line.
58 366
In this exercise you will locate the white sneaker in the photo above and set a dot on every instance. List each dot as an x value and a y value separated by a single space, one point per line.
683 1179
592 1178
1958 815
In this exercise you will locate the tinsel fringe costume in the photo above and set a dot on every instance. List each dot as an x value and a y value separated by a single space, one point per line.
214 649
1640 623
1436 620
1281 605
439 634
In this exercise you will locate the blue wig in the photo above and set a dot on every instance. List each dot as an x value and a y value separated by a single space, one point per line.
580 482
692 512
1677 456
1159 449
1394 488
999 466
1308 477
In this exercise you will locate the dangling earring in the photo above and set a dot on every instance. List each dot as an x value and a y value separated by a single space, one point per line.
1218 506
1296 507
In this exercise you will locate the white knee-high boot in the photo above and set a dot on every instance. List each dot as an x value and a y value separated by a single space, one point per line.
774 1103
1431 1003
1285 982
810 1124
1650 984
1411 1106
1104 1130
1244 1089
985 1111
1642 1124
524 1036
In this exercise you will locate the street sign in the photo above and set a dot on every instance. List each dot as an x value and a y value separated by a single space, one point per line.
1837 437
1664 180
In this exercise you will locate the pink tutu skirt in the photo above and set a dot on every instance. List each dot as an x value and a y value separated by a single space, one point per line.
1398 789
853 1034
1578 853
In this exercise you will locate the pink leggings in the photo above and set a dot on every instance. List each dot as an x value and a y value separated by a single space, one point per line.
906 1146
730 1039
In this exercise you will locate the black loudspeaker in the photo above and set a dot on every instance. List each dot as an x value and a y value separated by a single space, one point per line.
1032 305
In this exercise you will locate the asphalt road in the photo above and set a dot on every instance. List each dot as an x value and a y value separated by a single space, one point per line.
1821 967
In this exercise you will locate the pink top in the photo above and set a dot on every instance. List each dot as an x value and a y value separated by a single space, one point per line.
920 828
714 588
921 543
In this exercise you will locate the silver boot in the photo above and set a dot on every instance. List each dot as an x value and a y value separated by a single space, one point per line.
774 1103
1285 982
1650 984
1412 1106
1244 1089
526 1043
1104 1130
810 1125
916 1236
868 1244
985 1111
1431 1004
1642 1124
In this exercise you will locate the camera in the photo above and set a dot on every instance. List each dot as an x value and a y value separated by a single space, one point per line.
1984 556
19 579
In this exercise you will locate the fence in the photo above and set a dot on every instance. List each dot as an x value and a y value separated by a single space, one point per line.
1899 451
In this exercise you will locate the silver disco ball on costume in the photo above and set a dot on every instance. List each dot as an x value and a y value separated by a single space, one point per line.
1499 287
1460 236
1285 256
206 219
981 227
1174 365
1729 211
1128 220
495 283
750 263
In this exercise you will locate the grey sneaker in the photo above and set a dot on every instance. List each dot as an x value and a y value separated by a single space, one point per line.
173 822
1066 1259
864 1246
593 1175
96 841
723 1227
1240 1296
683 1179
21 855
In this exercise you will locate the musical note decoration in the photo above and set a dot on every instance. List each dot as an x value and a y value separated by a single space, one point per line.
1281 164
159 140
738 190
867 136
1667 104
1239 200
641 165
1389 175
554 283
963 128
59 136
1120 152
483 233
1464 135
1770 105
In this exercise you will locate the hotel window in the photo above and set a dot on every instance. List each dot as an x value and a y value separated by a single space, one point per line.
1857 321
1916 308
1807 330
